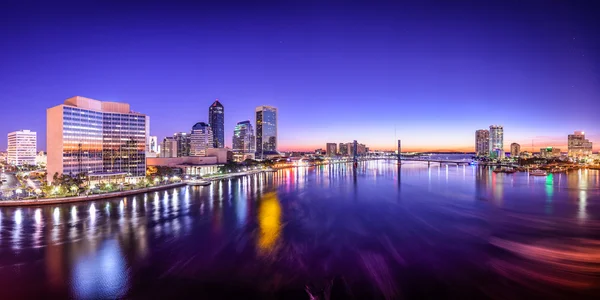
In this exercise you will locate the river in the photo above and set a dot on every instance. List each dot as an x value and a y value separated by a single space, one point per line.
380 231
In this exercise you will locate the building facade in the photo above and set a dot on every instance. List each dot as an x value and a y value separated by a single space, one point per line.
579 146
266 130
482 142
168 147
201 139
496 140
331 149
22 148
216 119
515 150
153 144
97 138
550 152
183 143
343 149
243 141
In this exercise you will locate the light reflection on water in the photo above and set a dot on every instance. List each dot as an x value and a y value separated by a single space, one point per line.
314 222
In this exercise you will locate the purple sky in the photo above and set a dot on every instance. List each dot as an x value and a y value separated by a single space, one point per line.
337 72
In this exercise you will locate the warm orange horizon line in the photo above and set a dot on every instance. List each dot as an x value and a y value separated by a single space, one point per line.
563 148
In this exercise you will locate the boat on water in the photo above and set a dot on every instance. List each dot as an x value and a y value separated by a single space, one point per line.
270 170
198 182
538 173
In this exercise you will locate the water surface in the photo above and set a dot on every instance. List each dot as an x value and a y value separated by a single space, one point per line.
379 231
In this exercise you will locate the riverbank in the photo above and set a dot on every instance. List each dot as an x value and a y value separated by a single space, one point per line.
48 201
232 175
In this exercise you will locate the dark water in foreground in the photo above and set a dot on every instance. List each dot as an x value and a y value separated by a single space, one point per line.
443 232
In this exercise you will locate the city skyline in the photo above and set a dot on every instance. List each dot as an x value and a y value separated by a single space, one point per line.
433 83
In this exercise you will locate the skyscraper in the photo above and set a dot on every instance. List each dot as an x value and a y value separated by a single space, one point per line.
515 150
98 138
201 139
266 131
216 119
482 142
183 143
496 141
578 145
243 139
168 147
22 147
331 149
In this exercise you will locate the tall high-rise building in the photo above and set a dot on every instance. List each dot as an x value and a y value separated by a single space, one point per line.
343 149
183 143
515 150
98 138
578 145
201 139
482 142
216 119
496 140
22 147
243 138
168 147
350 148
266 131
331 149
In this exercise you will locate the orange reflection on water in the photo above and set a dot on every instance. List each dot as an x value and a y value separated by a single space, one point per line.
269 221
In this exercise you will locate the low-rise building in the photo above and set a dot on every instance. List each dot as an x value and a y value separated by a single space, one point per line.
550 152
190 165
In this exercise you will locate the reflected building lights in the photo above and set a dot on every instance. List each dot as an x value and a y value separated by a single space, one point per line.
74 214
38 216
92 212
18 216
582 209
269 221
56 215
549 193
103 273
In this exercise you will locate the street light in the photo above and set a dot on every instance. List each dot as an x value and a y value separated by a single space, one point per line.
18 191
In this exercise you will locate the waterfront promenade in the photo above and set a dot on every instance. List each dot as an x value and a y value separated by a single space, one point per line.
48 201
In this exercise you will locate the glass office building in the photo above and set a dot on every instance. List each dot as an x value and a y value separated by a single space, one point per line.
216 118
243 138
266 130
96 138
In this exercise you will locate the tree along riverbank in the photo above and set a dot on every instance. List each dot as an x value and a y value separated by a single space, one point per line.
47 201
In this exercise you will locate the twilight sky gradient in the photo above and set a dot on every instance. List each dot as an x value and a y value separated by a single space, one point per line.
434 71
